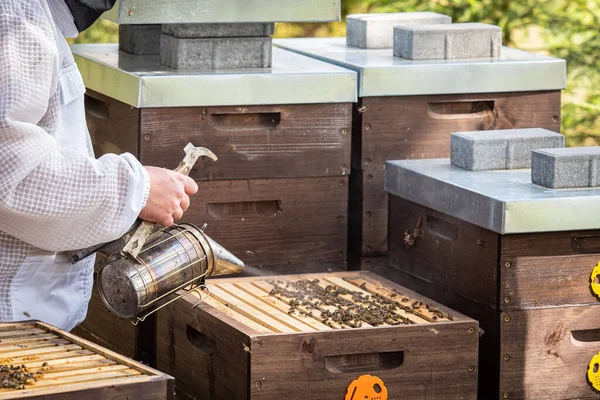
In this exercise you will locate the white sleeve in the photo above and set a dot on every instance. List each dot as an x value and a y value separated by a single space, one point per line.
52 198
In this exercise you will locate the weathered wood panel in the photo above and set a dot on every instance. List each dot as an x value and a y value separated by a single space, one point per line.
546 352
436 360
68 367
276 221
282 141
121 336
456 255
416 127
533 282
113 126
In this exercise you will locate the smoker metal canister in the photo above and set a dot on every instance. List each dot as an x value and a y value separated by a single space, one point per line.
171 259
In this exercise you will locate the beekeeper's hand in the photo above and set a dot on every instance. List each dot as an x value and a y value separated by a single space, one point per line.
169 196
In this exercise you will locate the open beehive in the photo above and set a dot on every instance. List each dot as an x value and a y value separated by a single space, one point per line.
319 302
311 336
38 360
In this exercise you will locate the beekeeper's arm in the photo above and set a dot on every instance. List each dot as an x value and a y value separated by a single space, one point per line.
54 198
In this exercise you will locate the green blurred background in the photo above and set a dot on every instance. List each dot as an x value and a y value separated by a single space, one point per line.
568 29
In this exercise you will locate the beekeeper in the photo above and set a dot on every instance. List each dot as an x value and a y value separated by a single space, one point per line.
54 195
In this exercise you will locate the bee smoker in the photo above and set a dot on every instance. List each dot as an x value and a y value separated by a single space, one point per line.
174 258
145 267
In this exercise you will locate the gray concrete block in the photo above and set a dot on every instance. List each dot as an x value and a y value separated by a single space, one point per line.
140 39
500 149
447 42
218 30
571 167
376 31
215 53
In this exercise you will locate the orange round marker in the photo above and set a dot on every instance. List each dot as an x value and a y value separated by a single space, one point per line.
367 387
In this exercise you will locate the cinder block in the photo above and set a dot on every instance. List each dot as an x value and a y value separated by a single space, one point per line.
140 39
376 31
571 167
447 42
218 30
501 149
215 53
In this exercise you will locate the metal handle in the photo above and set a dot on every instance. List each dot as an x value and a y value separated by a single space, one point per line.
139 237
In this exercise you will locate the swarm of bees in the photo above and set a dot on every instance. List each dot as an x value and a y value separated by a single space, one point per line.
338 305
17 377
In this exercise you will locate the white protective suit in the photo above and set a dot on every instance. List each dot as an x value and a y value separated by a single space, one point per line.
54 195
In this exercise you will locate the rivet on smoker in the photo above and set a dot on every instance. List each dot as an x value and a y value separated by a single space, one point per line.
505 395
507 299
367 127
345 131
471 368
507 319
471 330
506 357
146 137
507 264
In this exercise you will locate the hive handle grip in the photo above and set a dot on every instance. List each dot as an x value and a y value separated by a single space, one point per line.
240 120
96 107
589 338
587 244
244 209
366 362
200 341
461 109
441 228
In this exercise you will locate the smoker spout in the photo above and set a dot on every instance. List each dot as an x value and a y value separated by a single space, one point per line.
224 263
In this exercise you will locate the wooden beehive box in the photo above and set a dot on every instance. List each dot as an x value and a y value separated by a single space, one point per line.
259 338
53 364
408 109
510 255
278 195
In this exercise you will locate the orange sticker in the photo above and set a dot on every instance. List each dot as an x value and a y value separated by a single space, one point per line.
367 387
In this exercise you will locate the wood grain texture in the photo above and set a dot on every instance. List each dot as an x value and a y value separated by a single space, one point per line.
203 348
417 127
548 352
80 369
488 318
105 329
459 256
230 360
282 141
533 282
414 363
113 125
276 221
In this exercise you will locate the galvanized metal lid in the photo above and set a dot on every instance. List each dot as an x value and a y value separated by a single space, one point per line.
382 74
503 201
216 11
141 81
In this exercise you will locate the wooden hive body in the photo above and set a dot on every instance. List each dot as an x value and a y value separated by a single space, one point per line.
67 367
530 293
244 342
417 127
